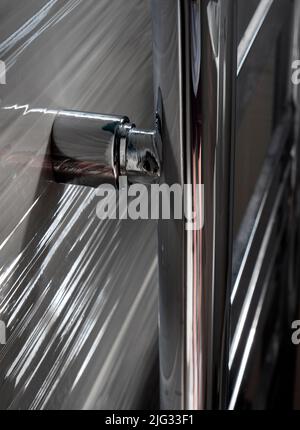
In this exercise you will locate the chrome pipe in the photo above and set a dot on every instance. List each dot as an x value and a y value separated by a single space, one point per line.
195 56
93 149
84 148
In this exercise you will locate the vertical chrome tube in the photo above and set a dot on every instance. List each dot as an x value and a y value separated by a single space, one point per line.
195 68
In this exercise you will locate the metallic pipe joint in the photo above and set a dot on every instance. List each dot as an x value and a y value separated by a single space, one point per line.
93 149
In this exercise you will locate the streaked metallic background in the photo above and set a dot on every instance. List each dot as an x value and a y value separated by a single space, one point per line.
79 296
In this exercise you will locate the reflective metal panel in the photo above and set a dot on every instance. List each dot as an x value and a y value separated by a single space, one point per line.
198 106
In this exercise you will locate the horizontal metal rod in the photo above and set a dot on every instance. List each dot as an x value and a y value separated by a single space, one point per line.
92 149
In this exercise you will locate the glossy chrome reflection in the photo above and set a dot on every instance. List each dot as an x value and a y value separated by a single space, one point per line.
92 149
252 31
198 141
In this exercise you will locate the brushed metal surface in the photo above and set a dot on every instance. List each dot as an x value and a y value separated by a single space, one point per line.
78 296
